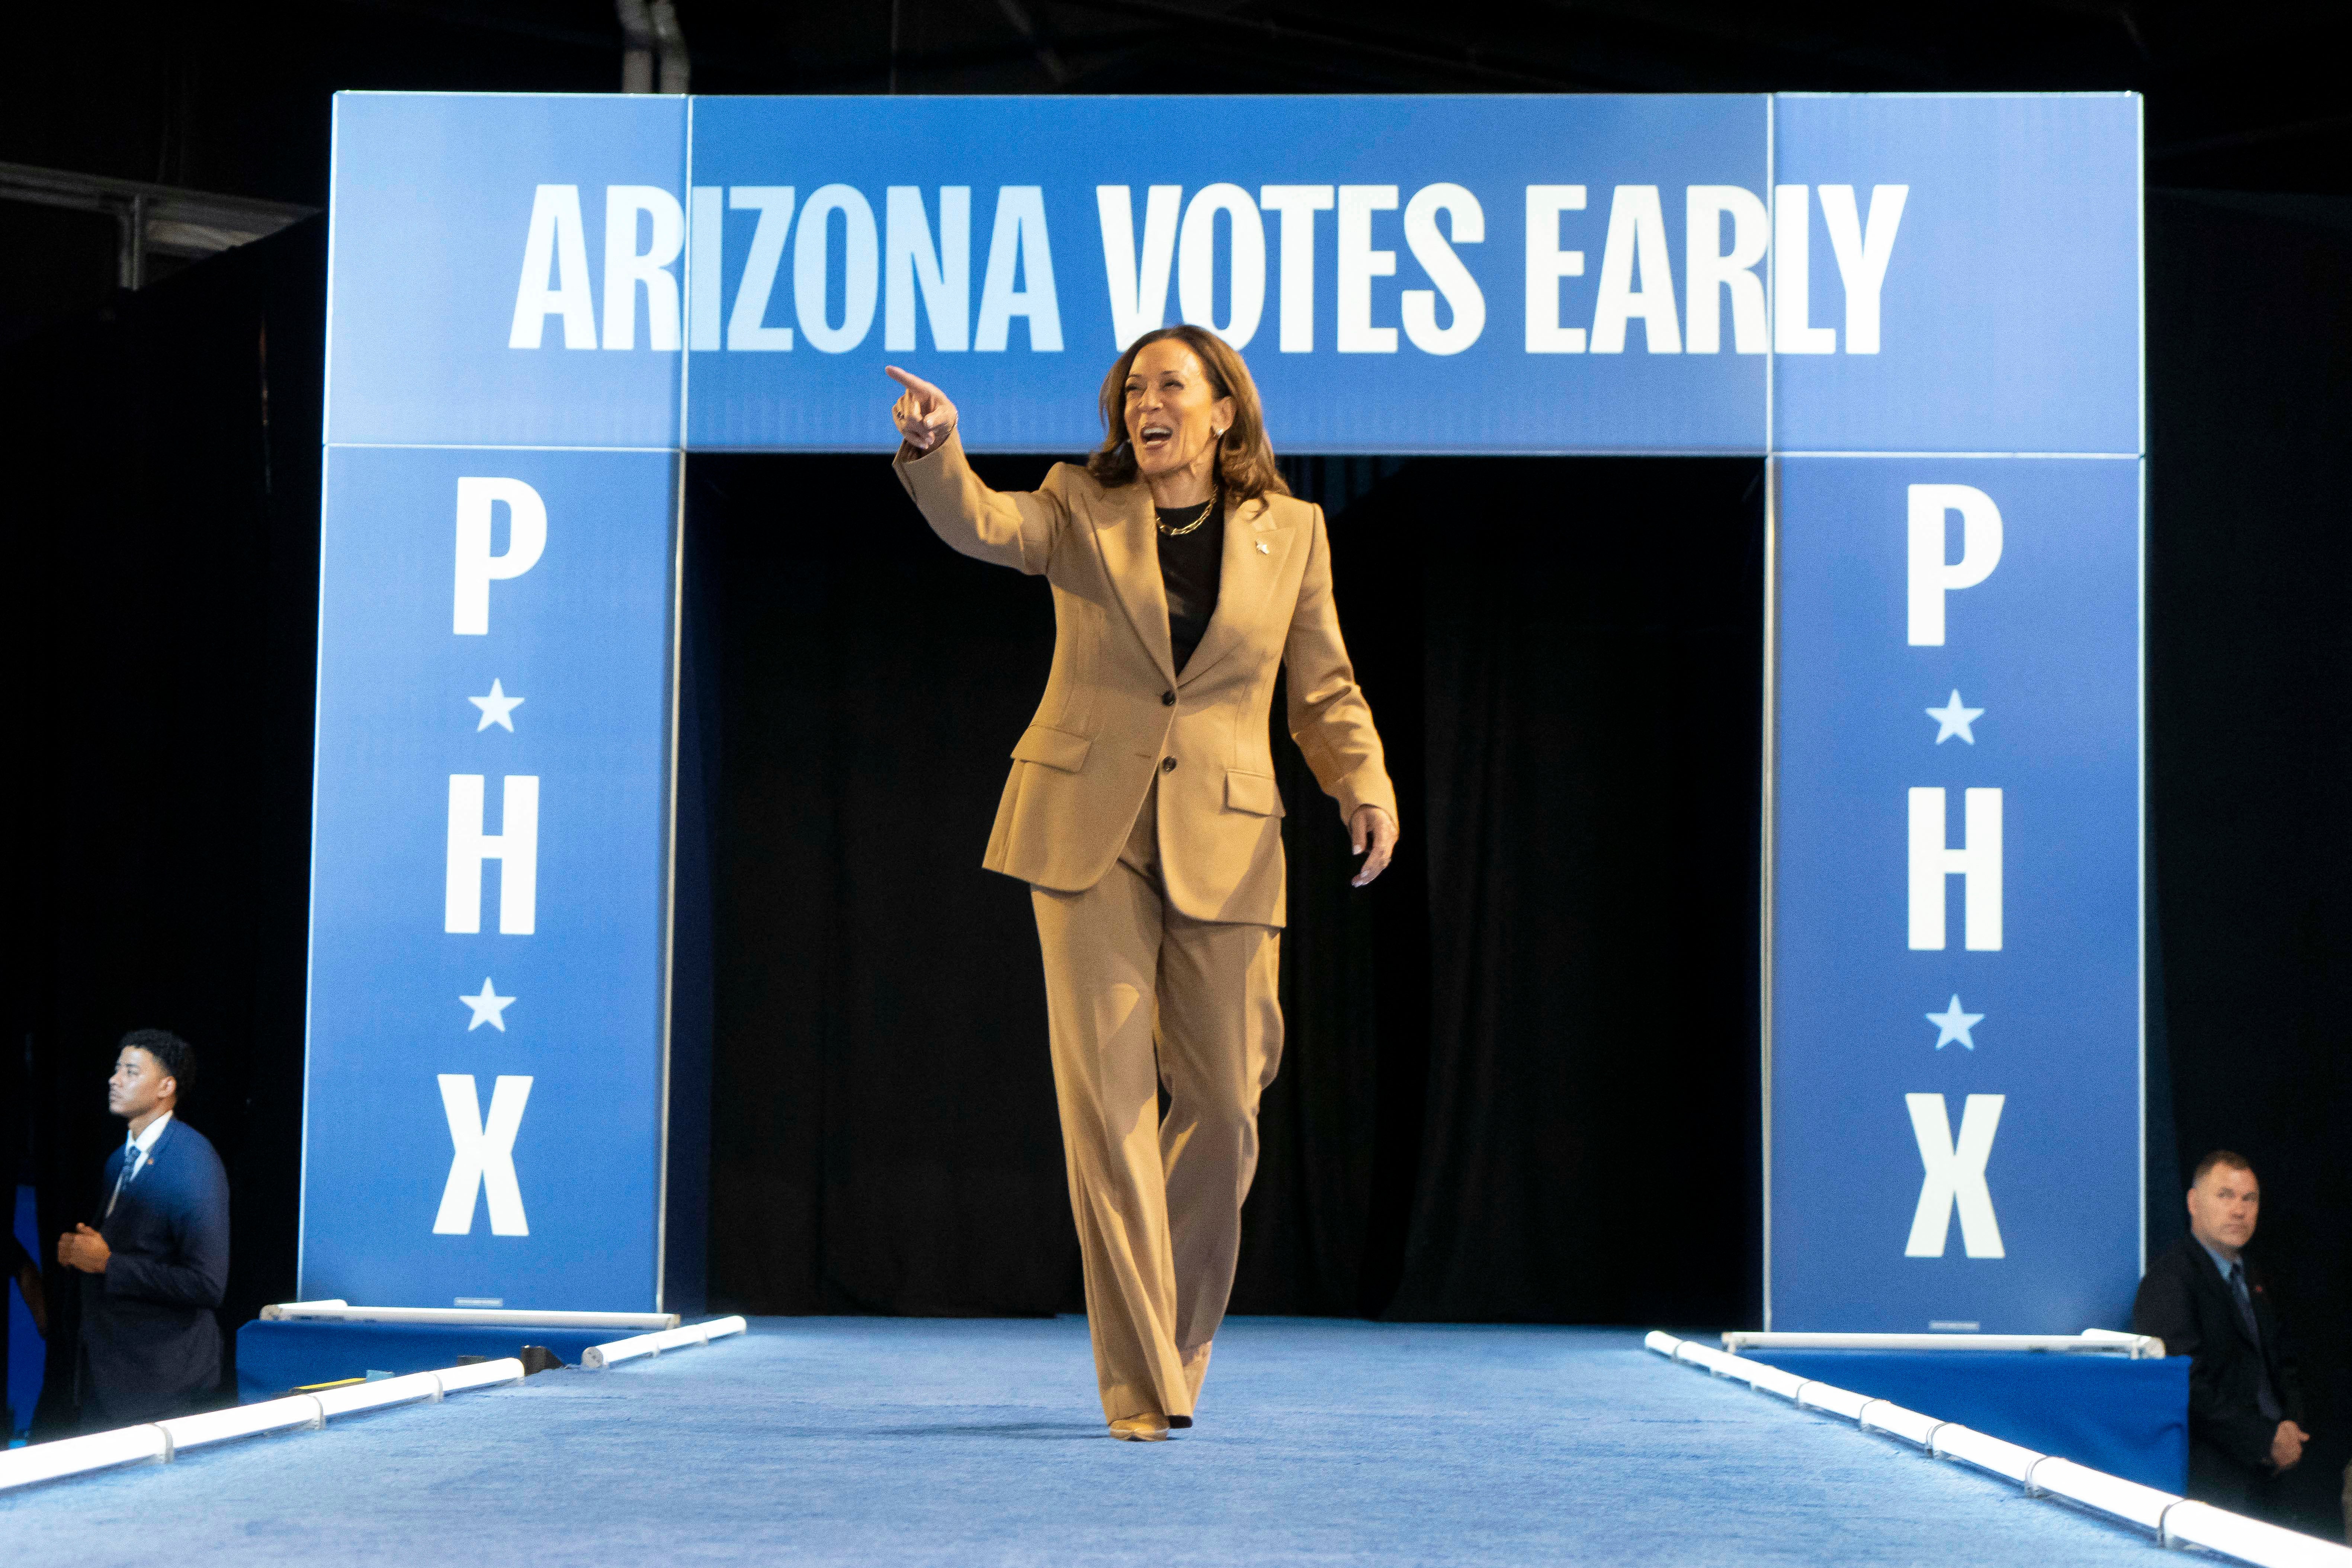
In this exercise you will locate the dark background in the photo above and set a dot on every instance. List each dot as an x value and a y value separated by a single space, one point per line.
1469 1110
1521 1073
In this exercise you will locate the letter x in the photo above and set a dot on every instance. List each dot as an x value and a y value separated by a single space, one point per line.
1955 1176
484 1155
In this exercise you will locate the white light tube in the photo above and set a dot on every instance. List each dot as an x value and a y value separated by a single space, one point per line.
597 1356
1771 1379
242 1421
2173 1520
73 1455
162 1440
1698 1354
1954 1441
1837 1401
1885 1416
377 1392
2143 1506
483 1316
480 1374
2094 1340
2202 1524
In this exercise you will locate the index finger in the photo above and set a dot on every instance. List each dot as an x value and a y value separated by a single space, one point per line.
912 383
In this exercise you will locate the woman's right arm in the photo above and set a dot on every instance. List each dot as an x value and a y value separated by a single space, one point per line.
1017 530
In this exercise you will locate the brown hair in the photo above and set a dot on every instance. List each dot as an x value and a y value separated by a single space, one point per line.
2220 1159
1245 457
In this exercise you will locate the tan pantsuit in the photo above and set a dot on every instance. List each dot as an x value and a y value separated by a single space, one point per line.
1158 1199
1142 811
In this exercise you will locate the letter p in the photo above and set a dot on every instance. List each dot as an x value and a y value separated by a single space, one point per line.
1931 576
477 567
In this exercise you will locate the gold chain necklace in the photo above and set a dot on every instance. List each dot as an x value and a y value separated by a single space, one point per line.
1179 532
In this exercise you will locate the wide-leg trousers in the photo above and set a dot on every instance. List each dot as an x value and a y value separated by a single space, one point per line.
1138 996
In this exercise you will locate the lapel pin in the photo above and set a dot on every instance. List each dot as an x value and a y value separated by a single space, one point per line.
1261 549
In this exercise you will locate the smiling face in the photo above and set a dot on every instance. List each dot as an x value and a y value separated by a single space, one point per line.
2224 1207
1174 413
140 1086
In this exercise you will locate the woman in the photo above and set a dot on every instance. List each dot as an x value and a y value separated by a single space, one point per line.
1142 813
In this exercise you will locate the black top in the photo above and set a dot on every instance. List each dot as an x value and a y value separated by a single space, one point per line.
2185 1301
1191 565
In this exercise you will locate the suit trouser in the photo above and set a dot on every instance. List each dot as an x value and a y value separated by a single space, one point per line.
2216 1478
1136 996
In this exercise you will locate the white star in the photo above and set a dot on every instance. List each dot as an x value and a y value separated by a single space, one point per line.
487 1008
497 709
1954 1025
1953 719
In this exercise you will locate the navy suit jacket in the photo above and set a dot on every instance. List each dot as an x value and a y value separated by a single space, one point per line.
153 1344
2185 1303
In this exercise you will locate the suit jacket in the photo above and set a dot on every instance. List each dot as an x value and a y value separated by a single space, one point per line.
2185 1301
1116 714
147 1323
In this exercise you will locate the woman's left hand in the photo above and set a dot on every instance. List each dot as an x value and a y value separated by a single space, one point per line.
1372 826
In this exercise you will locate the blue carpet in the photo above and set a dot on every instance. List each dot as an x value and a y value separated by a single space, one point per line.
976 1444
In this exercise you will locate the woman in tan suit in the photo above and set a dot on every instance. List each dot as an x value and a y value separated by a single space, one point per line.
1142 812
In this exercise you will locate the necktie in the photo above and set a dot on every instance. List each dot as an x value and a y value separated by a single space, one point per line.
2265 1398
130 1155
2245 1301
133 1159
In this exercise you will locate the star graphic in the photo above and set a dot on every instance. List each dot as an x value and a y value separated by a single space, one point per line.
497 709
487 1007
1954 1025
1950 719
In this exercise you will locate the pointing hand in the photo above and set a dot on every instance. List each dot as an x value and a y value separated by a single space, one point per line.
923 414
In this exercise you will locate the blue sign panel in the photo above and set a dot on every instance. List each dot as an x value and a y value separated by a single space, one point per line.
487 888
539 304
1583 274
503 271
1955 933
1957 274
1423 274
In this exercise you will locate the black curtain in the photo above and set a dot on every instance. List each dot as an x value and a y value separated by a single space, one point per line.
2250 660
161 618
1593 676
1531 1046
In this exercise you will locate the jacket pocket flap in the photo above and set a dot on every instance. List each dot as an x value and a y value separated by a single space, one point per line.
1253 792
1053 748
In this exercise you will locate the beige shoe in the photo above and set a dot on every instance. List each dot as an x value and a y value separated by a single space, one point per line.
1150 1427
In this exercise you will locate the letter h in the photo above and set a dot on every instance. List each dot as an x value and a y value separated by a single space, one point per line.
1978 861
515 847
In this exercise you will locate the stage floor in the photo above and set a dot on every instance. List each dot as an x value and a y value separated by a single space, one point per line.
873 1440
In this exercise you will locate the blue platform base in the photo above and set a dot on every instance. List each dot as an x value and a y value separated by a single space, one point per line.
2129 1419
873 1443
272 1357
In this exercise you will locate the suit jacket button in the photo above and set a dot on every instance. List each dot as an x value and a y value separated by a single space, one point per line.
1168 766
1168 699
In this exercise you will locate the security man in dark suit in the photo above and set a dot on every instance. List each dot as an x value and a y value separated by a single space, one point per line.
157 1263
2205 1302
